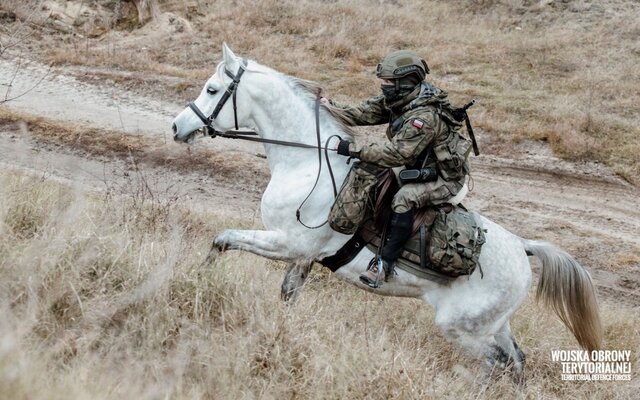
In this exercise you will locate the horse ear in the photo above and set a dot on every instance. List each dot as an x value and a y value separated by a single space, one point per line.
230 59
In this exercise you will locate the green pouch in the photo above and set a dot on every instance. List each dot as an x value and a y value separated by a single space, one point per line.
452 156
455 243
355 200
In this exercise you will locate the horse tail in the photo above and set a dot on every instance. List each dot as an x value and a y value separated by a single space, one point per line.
566 287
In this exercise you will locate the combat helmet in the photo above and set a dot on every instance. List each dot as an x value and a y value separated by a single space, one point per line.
402 63
405 69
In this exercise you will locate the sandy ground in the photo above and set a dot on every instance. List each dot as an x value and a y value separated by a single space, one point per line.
582 208
75 95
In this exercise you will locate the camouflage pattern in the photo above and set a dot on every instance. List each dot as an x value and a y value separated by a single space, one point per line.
455 243
422 119
372 111
419 195
355 199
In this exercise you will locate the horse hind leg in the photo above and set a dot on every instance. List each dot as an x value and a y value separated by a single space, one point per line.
519 373
508 354
496 350
294 278
493 359
482 353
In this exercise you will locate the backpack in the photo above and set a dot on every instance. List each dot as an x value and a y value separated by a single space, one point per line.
456 240
452 153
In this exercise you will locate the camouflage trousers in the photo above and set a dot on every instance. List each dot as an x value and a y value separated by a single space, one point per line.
418 195
357 195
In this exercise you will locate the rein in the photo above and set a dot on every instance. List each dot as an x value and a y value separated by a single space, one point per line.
249 135
246 135
333 181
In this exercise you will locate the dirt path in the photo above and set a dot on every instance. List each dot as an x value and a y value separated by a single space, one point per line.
594 218
56 94
198 191
584 208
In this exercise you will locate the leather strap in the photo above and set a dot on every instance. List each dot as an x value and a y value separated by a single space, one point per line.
346 254
319 147
244 135
423 246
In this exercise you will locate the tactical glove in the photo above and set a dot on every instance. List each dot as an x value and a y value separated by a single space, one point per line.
343 148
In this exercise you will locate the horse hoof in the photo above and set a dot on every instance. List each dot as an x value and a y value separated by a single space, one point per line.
212 256
214 253
288 295
293 280
288 290
218 247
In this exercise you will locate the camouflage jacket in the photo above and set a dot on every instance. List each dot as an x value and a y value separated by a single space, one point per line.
413 126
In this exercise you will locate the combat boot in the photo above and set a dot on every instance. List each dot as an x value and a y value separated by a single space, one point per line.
382 269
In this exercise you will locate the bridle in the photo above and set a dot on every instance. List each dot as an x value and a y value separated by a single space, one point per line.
244 135
230 92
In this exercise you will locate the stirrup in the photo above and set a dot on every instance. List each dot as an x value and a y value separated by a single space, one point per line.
379 264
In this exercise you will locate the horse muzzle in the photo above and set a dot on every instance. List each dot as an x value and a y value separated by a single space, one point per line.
185 138
182 137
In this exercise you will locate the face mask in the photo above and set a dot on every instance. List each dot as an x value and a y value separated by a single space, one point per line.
389 92
391 95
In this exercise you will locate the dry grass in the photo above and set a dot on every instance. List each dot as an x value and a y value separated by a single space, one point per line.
562 72
103 296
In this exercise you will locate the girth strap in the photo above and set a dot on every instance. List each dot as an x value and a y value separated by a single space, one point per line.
346 254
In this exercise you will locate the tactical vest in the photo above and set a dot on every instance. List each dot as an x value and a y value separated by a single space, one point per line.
450 151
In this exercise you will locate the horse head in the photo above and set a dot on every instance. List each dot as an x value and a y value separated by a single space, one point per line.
215 107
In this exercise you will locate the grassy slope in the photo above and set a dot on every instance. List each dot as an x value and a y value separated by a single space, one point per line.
103 296
560 71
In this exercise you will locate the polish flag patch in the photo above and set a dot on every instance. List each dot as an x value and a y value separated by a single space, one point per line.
417 123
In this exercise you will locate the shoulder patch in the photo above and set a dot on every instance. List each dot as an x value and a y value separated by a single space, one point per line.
417 123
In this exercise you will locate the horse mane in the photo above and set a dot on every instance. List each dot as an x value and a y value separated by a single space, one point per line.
309 89
313 90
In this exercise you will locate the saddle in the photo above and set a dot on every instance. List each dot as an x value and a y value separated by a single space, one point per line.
413 258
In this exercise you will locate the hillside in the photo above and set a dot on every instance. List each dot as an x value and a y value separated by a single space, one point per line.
560 72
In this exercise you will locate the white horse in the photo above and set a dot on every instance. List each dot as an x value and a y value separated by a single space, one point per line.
472 312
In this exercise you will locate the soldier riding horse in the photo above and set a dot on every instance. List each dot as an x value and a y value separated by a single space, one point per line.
472 311
423 135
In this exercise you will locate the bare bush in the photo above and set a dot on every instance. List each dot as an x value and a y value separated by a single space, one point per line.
15 32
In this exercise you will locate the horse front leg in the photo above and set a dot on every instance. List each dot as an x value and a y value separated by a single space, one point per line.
269 244
294 278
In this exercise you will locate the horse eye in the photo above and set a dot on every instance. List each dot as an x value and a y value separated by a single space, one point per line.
211 91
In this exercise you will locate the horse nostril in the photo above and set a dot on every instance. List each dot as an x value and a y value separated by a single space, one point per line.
174 128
